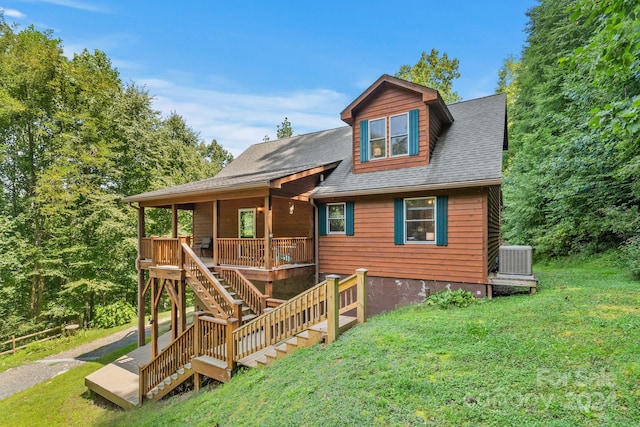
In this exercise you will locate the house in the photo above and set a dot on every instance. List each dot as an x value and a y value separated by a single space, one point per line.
409 189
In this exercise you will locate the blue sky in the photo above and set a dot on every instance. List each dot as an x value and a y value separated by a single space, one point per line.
235 69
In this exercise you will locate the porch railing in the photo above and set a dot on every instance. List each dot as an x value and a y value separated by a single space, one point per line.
250 252
164 250
247 291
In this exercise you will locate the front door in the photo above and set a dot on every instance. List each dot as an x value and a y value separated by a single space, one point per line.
246 223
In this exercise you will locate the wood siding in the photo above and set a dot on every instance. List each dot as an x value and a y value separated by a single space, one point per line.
202 223
389 102
372 247
493 225
298 224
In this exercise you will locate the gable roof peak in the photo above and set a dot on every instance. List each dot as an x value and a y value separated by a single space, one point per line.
429 96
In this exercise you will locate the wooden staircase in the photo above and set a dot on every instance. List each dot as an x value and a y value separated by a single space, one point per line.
233 332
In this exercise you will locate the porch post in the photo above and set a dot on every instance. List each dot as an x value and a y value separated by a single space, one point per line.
174 221
175 315
362 294
333 307
154 318
214 242
141 312
268 232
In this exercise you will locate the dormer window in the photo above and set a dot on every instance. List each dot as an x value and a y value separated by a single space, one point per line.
399 134
399 138
378 138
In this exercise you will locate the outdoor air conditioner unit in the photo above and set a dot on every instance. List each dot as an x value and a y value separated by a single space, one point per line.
515 260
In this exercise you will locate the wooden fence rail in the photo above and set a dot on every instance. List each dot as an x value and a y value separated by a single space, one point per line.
14 340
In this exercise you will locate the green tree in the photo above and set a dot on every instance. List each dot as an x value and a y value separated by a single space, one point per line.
507 79
284 130
436 72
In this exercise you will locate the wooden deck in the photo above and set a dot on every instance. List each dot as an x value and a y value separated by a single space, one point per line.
118 381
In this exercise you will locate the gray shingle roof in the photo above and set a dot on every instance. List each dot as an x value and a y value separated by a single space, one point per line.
261 163
468 153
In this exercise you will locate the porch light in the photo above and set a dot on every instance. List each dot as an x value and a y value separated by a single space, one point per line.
292 206
260 209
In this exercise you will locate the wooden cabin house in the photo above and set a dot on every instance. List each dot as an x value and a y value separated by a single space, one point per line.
409 190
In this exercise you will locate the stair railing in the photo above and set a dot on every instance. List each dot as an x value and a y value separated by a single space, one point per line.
325 301
255 300
195 270
167 362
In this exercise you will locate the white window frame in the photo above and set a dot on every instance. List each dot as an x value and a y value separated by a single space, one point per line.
386 144
400 134
406 220
344 218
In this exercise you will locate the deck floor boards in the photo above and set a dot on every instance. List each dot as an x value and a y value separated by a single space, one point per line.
118 381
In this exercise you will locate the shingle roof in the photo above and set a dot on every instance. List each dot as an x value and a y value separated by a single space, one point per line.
263 162
468 153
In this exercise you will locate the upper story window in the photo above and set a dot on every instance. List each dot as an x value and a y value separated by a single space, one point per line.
399 135
399 138
378 138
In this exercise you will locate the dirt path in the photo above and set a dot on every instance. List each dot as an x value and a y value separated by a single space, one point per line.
23 377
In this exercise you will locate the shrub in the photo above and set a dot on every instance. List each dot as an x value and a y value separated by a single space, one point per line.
115 314
447 298
631 253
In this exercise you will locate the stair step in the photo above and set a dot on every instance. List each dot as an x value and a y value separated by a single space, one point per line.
187 365
180 371
248 318
271 356
174 376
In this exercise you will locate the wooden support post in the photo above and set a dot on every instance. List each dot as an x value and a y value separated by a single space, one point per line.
230 327
268 289
237 310
333 307
141 308
268 232
362 294
174 221
489 291
197 341
154 318
174 313
214 242
182 297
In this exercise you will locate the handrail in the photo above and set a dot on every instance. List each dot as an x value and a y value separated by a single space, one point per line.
255 300
202 281
348 293
286 320
248 252
174 356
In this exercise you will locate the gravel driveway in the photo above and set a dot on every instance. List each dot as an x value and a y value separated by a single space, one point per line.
23 377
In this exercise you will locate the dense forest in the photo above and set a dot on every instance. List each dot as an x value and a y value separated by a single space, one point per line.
571 174
75 139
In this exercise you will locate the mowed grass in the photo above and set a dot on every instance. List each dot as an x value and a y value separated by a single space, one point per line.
568 355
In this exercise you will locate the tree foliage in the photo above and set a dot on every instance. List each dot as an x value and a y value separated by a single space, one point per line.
73 141
436 72
284 130
571 179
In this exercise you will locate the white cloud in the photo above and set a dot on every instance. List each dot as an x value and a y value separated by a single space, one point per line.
78 5
237 120
12 13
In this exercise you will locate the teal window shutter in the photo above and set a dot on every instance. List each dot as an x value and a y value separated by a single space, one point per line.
441 220
364 141
322 219
414 147
349 229
398 221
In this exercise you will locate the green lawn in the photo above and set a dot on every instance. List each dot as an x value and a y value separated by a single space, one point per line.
568 355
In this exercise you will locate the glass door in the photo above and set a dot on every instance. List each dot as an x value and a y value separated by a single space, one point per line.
246 223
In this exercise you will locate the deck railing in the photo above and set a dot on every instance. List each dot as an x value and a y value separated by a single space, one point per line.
250 252
214 338
325 301
247 291
162 250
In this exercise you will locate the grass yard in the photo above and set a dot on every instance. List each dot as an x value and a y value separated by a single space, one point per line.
568 355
